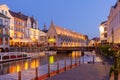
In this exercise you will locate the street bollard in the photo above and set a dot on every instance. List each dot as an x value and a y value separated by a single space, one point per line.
36 71
71 62
75 62
48 70
93 59
79 62
65 64
58 67
19 75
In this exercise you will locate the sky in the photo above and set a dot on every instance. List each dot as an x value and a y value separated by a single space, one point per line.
82 16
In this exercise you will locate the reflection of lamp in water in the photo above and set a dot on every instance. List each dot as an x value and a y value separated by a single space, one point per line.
18 68
51 59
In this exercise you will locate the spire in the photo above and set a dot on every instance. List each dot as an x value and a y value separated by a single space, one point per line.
45 27
52 23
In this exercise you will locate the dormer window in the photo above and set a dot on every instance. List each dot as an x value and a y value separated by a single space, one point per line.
2 11
5 12
1 21
6 22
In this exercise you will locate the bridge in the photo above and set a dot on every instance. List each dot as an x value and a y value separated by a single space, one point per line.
87 48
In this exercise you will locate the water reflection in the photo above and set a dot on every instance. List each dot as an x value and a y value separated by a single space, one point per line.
51 59
15 66
76 54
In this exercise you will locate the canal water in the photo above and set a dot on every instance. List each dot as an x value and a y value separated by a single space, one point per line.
19 65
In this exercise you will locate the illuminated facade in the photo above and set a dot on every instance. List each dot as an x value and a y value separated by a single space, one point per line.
103 32
114 23
4 33
61 37
23 29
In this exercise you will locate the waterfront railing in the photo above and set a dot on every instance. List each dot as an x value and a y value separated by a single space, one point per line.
44 71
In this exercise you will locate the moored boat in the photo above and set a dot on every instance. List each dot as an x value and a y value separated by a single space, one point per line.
12 56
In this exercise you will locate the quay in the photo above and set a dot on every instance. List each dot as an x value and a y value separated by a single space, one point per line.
85 72
43 71
48 70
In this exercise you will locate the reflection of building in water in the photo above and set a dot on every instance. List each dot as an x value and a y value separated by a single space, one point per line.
61 37
13 67
34 63
76 54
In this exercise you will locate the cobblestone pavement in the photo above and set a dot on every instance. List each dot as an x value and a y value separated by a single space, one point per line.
85 72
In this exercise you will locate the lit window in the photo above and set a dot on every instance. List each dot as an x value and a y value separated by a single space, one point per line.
1 31
6 41
1 41
6 31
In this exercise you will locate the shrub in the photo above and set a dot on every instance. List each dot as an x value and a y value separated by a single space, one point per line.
106 50
111 70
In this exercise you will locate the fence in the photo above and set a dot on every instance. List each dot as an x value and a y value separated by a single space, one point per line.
43 71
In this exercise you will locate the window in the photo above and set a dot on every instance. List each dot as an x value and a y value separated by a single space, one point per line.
1 21
6 22
1 40
5 12
54 37
6 31
105 35
15 35
105 29
2 11
42 38
1 31
49 37
15 29
6 41
48 44
54 44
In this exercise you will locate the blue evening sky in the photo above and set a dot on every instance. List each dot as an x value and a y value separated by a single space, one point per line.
83 16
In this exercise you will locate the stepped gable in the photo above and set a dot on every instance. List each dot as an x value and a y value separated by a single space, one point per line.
32 20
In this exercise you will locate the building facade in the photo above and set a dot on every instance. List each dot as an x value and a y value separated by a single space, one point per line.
61 37
103 32
4 33
23 29
114 24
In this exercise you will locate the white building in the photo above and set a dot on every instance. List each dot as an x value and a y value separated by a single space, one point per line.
114 24
23 29
61 37
4 33
103 32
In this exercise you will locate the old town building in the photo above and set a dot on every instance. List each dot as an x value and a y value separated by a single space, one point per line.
114 24
61 37
103 32
23 29
4 33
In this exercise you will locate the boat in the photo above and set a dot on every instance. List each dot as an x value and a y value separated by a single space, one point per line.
12 56
50 52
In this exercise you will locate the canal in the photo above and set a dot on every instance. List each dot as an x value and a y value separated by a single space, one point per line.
19 65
